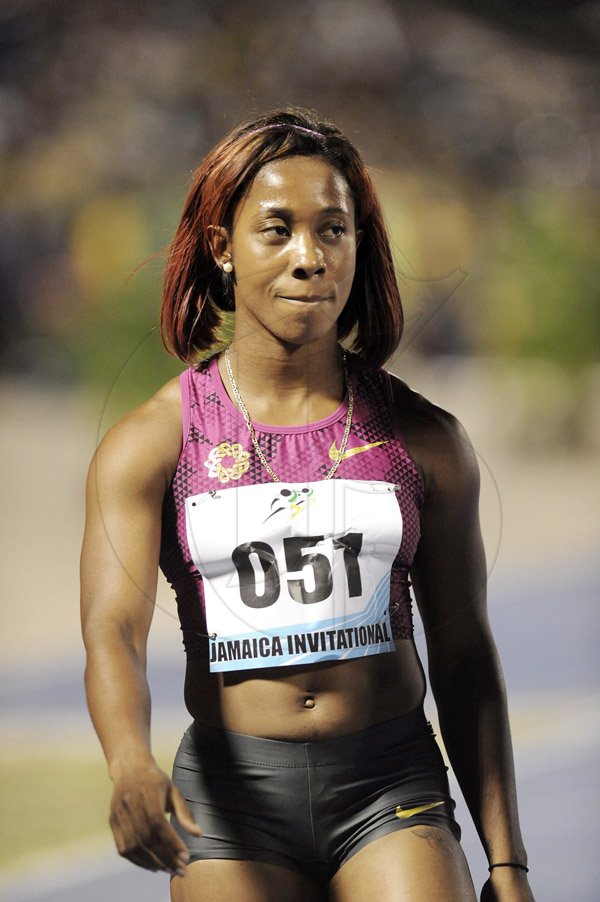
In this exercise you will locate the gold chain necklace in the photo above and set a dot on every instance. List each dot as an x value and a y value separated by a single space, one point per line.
257 448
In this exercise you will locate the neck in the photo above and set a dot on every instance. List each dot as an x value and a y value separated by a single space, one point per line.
286 384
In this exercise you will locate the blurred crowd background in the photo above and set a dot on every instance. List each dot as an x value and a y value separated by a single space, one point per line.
481 124
480 120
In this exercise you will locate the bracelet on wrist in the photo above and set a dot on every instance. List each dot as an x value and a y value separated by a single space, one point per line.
509 864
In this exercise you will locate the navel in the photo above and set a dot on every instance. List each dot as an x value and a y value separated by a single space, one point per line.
309 701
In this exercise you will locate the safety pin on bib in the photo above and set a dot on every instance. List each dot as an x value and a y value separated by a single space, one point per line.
200 499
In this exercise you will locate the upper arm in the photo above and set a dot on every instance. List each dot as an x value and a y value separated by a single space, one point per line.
127 479
449 570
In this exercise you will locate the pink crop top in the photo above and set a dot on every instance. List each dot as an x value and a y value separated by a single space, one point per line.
217 453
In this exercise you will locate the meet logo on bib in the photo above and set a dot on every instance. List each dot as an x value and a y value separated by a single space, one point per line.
291 502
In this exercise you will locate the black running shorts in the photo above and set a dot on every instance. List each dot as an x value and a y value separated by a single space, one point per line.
310 806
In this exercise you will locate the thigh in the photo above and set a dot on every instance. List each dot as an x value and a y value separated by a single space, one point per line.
417 864
243 881
249 804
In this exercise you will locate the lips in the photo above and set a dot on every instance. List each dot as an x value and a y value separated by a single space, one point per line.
305 298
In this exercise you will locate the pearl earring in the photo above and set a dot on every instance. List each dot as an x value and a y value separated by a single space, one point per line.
228 267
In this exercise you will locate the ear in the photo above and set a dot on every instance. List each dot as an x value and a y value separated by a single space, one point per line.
218 238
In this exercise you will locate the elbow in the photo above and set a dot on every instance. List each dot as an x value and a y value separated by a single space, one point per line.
108 642
462 695
472 671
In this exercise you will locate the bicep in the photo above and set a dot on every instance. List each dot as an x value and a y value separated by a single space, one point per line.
119 559
449 570
118 562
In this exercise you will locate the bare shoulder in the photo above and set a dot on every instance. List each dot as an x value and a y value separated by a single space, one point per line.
143 447
435 439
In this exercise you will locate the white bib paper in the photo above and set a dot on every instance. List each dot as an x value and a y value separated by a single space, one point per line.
295 573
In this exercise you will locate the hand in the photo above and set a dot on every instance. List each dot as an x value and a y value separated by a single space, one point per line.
143 795
507 885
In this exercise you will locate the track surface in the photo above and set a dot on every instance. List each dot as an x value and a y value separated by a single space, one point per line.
546 627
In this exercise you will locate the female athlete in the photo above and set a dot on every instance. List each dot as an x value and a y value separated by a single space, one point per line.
288 486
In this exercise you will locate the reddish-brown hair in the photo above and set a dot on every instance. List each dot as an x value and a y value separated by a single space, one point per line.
196 289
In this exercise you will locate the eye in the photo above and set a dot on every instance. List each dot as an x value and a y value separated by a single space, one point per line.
278 231
335 230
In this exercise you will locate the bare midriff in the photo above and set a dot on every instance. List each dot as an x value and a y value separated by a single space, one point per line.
311 703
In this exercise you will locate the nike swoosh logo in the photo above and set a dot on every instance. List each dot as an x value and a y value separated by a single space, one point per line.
350 452
410 812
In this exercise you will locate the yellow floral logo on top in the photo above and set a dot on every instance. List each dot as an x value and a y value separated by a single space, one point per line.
227 461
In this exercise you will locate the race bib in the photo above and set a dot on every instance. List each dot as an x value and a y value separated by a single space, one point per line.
295 573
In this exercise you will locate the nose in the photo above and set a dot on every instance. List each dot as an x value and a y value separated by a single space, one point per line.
307 258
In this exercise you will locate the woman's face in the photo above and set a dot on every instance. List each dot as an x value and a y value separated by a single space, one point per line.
293 247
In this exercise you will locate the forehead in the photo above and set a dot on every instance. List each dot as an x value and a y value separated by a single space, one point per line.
297 183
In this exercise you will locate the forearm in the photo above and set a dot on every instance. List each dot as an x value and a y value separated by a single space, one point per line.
119 701
472 708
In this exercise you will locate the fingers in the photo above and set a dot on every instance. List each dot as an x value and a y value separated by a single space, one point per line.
132 853
130 846
183 814
142 833
156 849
